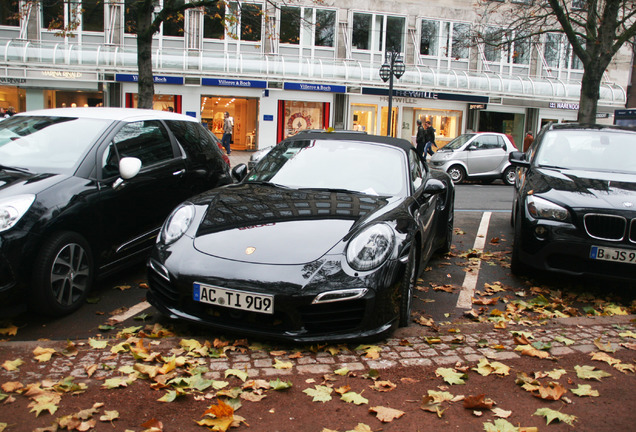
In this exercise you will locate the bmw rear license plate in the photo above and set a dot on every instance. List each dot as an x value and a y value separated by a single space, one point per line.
613 254
234 299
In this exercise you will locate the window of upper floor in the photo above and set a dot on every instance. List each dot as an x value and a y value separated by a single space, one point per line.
558 53
444 39
10 13
506 48
73 15
236 20
378 32
307 26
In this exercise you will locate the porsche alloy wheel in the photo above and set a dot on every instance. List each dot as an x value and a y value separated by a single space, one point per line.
408 286
63 274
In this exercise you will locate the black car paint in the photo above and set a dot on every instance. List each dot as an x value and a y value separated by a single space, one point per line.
296 285
565 247
120 224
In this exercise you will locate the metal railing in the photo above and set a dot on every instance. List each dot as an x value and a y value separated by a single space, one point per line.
113 59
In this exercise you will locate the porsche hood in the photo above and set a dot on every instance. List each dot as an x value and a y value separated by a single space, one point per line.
269 225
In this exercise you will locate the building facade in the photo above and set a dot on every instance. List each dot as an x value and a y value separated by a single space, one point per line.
299 65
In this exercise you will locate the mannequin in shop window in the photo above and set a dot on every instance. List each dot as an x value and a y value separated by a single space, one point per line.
226 140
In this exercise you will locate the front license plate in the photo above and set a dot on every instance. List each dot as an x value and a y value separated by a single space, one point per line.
234 299
613 254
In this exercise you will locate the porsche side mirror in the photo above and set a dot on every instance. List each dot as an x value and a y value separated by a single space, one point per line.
239 172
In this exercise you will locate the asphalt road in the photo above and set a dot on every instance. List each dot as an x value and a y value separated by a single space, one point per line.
481 223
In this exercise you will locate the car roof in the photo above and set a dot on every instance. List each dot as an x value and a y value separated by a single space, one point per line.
115 114
588 126
352 136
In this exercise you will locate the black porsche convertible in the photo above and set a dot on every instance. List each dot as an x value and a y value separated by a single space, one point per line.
323 240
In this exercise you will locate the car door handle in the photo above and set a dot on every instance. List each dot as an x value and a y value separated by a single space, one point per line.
178 173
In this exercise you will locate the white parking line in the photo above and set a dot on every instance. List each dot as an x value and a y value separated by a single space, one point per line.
465 300
134 310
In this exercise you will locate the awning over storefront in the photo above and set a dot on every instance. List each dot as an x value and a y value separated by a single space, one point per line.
110 59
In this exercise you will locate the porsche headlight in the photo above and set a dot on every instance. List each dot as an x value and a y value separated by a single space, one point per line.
177 223
371 247
12 209
541 208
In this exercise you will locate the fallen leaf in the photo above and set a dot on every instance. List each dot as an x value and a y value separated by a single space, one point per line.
451 376
478 402
500 425
242 375
386 415
43 354
319 393
383 386
604 357
12 365
485 368
355 398
498 412
605 347
585 390
431 405
552 415
553 391
590 372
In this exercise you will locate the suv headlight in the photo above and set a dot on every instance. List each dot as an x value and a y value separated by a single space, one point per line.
371 247
12 209
541 208
177 224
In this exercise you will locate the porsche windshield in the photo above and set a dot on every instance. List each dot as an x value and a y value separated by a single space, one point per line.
373 169
588 149
47 144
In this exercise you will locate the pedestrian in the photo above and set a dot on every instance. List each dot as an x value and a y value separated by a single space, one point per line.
527 141
429 138
10 112
227 132
420 142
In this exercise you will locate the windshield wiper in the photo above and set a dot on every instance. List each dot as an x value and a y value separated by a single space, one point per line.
266 183
17 169
556 167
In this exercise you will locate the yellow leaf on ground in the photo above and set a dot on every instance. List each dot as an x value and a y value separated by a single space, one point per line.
43 354
386 415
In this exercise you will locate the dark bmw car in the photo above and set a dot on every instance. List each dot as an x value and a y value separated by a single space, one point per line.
322 241
574 209
84 191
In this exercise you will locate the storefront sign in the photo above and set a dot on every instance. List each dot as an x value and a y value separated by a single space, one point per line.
158 79
315 87
268 117
233 83
564 105
426 95
477 106
7 80
58 74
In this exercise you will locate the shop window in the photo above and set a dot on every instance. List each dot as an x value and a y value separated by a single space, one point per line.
10 13
429 38
160 102
243 113
447 123
57 14
364 118
93 15
307 26
325 27
296 116
130 16
384 118
378 32
558 53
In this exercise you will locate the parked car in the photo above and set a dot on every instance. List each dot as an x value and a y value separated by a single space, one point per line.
322 241
257 156
477 156
84 191
574 209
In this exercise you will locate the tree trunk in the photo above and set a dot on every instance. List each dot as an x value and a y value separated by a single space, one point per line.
146 85
590 92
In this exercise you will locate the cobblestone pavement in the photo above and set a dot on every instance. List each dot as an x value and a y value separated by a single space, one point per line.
413 346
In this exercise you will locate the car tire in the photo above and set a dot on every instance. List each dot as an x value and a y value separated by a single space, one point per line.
62 275
509 176
457 173
516 266
448 243
408 286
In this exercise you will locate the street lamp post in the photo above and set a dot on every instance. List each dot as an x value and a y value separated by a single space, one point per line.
393 66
